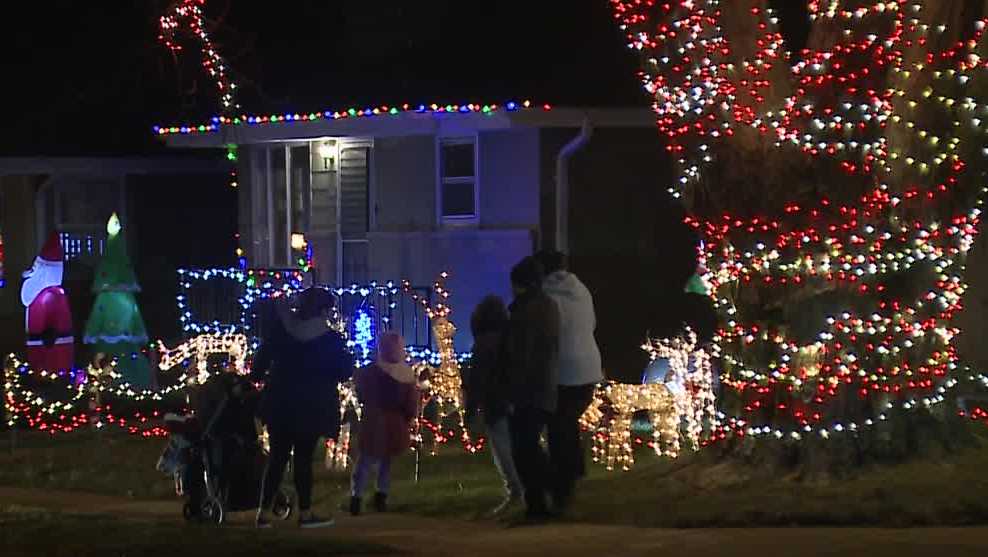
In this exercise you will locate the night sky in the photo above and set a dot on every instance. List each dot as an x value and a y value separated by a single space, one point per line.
92 78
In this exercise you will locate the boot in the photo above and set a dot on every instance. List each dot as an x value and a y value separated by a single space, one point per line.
355 504
381 502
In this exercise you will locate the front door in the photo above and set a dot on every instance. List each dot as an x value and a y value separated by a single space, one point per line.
354 211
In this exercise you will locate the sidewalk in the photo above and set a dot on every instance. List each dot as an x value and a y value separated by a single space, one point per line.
413 535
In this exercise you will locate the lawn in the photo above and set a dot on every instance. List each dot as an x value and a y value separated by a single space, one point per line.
689 492
25 531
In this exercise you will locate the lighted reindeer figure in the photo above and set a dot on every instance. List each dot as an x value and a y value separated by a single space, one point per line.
681 406
198 349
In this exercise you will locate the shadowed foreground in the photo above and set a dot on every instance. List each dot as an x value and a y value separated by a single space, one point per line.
34 522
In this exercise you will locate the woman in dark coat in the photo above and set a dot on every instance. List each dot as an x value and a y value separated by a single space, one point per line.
532 375
387 391
302 362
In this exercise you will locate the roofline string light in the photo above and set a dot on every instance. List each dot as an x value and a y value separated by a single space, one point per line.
218 122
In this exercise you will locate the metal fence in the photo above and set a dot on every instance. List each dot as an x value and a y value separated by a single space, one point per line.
225 300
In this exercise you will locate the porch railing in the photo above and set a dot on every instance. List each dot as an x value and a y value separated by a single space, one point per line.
223 300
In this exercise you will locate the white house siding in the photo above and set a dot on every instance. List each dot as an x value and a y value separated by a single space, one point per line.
509 179
404 184
478 262
408 241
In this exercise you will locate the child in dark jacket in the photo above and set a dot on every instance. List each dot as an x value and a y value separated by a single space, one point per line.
387 390
484 386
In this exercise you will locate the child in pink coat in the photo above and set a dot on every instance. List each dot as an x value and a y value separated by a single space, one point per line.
387 390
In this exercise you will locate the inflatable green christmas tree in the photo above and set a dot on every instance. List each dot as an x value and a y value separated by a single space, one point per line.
115 325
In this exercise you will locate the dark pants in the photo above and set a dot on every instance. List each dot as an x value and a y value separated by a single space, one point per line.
531 461
565 451
282 443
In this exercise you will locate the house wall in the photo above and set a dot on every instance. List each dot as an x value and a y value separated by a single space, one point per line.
478 262
409 243
404 184
17 224
406 239
509 178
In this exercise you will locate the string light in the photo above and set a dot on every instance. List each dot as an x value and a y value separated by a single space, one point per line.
187 16
685 397
219 122
891 113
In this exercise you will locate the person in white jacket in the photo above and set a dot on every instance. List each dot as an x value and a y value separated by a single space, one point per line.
580 371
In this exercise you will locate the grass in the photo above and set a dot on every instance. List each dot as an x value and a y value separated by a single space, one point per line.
689 492
25 531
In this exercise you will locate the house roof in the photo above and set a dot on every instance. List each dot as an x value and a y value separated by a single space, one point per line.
393 121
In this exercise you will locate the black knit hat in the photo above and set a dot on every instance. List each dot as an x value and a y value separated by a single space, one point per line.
528 274
552 261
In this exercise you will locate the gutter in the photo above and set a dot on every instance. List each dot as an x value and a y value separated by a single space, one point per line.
562 183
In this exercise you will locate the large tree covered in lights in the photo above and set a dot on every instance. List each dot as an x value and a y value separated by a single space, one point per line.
836 191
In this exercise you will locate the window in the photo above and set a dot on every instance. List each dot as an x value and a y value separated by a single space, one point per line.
458 179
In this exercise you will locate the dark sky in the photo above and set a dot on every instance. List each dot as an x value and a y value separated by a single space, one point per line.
91 77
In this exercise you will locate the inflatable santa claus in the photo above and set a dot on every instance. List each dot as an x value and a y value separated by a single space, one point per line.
50 343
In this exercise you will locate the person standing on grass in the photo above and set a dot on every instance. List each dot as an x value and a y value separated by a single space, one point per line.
580 372
388 394
302 361
483 385
531 366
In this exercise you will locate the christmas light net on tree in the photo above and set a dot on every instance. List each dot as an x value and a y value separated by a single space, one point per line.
836 191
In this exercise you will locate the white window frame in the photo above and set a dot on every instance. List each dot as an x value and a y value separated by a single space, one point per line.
441 181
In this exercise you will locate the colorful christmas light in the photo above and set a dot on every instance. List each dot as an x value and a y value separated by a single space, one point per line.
186 16
219 122
893 108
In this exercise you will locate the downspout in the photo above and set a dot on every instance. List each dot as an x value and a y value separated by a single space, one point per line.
562 184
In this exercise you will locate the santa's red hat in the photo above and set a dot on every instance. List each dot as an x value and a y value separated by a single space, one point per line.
51 253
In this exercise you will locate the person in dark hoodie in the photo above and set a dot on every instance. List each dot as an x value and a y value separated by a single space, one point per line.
580 371
483 385
532 375
302 361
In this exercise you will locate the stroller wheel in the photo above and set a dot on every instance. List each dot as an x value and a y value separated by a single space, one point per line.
212 510
189 512
282 505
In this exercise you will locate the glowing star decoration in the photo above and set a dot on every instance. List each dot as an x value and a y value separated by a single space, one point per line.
825 291
113 225
186 16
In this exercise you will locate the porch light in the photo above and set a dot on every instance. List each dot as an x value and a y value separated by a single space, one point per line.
298 242
327 150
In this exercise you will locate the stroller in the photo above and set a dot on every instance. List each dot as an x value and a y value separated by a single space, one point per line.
218 467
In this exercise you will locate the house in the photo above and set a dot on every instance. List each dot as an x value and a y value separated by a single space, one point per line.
75 196
408 192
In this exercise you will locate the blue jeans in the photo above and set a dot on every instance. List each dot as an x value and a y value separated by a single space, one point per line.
499 437
361 474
